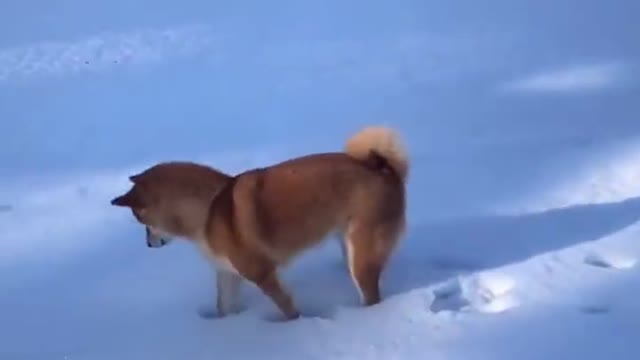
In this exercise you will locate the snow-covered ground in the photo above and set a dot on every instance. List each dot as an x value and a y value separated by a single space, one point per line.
523 125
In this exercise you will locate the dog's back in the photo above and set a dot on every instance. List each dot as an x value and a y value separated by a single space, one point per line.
288 207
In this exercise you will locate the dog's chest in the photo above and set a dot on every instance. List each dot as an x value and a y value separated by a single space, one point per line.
218 261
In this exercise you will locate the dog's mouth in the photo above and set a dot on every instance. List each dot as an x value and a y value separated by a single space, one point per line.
158 243
154 241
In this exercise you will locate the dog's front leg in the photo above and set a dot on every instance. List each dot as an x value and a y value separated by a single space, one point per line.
271 286
228 288
262 271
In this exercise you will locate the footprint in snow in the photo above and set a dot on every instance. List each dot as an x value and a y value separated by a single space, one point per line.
5 208
449 297
488 292
209 312
491 292
612 260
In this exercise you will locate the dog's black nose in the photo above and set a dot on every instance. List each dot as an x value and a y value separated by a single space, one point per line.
148 244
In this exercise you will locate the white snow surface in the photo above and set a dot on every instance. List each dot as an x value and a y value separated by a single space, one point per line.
524 204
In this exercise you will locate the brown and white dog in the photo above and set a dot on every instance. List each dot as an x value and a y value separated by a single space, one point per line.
253 223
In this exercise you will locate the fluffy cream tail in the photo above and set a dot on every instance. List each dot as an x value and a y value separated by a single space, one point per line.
385 142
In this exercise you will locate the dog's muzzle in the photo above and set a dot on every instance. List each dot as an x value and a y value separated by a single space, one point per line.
155 241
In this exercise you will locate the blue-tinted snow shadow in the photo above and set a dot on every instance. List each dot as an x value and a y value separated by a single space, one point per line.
435 251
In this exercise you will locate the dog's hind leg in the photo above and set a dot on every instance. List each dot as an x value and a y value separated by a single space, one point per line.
368 249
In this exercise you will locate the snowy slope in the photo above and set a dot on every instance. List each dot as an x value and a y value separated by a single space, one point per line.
524 194
492 286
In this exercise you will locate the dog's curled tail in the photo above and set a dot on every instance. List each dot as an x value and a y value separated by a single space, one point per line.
383 142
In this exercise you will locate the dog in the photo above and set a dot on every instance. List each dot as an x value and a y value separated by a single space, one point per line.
252 224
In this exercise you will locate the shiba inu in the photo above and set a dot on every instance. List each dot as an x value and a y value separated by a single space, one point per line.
253 223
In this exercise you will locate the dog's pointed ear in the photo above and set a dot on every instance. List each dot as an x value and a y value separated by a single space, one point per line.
122 200
127 200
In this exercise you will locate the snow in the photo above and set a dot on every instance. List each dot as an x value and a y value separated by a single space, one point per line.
521 119
573 79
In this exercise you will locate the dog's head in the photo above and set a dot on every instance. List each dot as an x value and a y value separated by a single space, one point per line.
150 208
172 199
